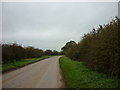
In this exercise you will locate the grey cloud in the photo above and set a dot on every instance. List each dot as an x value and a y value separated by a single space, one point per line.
51 25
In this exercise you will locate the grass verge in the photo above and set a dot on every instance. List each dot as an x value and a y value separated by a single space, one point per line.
77 75
21 63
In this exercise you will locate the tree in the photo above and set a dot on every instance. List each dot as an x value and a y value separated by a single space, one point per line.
68 45
99 49
48 52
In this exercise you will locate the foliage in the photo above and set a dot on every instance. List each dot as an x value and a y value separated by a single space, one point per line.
48 52
68 45
54 52
99 49
77 75
32 52
14 52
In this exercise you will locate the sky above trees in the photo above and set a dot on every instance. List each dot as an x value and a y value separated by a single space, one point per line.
50 25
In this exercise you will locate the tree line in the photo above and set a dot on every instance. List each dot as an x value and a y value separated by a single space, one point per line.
14 52
98 49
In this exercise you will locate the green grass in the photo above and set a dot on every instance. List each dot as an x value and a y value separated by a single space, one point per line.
13 65
77 75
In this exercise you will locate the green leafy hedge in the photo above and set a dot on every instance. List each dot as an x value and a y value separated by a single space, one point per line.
99 49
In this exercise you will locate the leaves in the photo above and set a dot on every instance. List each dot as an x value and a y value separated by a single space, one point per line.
99 49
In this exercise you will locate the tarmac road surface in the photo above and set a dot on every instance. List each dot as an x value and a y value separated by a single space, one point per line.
42 74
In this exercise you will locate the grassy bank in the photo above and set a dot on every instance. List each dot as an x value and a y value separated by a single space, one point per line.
77 75
23 62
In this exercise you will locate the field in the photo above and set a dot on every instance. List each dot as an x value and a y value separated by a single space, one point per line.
23 62
77 75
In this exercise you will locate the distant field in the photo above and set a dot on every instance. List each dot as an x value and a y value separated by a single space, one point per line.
23 62
77 75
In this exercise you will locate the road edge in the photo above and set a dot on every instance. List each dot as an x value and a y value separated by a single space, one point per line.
16 68
62 74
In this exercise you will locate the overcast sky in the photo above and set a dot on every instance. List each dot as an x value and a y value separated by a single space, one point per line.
51 25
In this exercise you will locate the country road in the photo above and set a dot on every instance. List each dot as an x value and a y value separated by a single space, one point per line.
43 74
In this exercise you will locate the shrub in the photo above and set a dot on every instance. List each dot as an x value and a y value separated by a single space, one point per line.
99 49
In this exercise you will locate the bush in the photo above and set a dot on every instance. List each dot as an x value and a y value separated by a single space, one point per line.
14 52
99 49
32 52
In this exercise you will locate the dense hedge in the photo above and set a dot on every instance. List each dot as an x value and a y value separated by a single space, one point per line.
99 49
14 52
